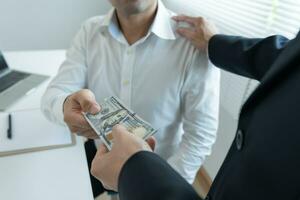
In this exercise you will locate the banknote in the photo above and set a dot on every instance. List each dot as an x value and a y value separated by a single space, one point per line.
114 112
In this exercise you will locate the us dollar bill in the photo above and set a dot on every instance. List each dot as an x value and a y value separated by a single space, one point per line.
114 112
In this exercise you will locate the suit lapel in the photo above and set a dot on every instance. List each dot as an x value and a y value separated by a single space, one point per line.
281 64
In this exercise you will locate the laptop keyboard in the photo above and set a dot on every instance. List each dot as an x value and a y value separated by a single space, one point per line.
11 78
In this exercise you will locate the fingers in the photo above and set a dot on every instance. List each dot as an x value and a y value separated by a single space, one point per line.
82 101
191 20
76 128
74 117
151 142
108 187
118 131
102 150
87 101
87 132
188 33
99 162
77 120
90 134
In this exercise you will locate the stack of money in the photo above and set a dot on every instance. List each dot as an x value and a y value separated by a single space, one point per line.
114 112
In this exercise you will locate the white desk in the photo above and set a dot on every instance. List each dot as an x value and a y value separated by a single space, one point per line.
47 175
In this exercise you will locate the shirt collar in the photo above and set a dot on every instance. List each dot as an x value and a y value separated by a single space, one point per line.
110 22
108 18
161 26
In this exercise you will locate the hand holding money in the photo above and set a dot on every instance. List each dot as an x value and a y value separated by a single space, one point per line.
74 105
114 112
107 166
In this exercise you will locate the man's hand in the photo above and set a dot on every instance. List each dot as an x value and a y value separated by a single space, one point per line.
200 33
107 166
75 104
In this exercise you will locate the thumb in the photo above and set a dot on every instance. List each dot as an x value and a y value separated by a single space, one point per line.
118 131
87 101
102 151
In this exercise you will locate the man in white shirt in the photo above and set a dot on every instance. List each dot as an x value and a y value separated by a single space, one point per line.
134 53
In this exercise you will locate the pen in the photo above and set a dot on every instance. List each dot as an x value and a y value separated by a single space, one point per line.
9 130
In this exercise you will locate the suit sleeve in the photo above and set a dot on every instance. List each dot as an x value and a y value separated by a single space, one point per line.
251 58
146 176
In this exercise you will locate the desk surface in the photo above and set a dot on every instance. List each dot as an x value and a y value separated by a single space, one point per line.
47 175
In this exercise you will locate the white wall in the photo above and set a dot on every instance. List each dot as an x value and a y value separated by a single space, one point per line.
44 24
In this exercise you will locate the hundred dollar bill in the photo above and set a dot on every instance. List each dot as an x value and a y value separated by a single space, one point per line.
114 112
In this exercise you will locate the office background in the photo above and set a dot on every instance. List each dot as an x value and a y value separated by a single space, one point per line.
41 25
44 24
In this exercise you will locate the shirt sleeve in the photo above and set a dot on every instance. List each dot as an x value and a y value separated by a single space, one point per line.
200 106
70 78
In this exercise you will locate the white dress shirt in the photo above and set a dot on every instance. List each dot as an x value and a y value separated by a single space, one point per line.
162 77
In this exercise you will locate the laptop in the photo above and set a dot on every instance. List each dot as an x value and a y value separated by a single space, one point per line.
15 84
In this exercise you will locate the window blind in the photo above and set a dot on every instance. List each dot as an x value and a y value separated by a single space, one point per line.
249 18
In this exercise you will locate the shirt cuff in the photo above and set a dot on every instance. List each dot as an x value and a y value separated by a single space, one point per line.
177 164
58 108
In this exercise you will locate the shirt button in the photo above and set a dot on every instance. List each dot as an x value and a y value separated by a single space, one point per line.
239 140
126 82
129 51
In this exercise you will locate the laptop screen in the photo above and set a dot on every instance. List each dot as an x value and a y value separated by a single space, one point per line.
3 64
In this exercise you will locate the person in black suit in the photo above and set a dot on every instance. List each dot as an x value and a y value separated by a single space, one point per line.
264 159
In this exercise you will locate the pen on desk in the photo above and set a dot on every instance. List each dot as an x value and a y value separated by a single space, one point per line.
9 130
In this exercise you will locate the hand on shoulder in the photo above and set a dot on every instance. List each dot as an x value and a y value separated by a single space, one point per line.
200 32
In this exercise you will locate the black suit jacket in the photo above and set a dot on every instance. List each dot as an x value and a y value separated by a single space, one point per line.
263 162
